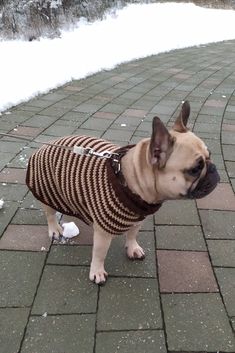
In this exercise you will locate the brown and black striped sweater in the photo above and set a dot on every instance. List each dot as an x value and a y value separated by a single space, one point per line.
85 186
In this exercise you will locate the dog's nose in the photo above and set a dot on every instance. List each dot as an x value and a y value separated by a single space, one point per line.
211 168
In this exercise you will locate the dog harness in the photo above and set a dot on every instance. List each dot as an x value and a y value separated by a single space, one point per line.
86 186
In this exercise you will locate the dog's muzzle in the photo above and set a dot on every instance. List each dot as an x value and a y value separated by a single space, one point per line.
206 185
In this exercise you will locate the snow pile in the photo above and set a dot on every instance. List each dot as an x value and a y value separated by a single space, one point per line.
70 230
1 203
138 30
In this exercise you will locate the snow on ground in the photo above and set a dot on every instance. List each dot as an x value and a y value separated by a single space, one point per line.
138 30
1 203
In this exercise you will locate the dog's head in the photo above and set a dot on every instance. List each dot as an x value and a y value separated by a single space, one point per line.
181 160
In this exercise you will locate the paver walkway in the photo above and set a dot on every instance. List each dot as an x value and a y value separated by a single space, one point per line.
182 297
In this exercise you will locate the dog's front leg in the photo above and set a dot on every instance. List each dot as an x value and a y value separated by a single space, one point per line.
133 249
54 229
101 243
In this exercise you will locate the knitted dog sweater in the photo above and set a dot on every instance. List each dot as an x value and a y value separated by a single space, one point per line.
85 186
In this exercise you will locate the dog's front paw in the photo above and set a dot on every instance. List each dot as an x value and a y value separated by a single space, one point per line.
134 251
55 231
98 275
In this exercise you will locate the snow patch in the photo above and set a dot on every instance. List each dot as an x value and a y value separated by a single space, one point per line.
136 31
70 230
1 203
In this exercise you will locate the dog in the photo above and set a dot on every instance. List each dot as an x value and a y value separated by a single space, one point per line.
115 188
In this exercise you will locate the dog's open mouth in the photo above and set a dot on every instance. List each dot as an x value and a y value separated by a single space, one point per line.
205 185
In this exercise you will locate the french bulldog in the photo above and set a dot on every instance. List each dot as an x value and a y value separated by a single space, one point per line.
170 165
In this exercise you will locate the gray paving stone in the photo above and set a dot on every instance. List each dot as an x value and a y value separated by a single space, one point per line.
32 216
117 135
5 159
66 103
31 202
18 116
197 322
75 117
233 184
21 159
87 107
209 135
112 92
114 108
129 304
40 140
201 127
180 238
11 147
60 334
131 341
86 132
96 124
6 126
148 224
212 111
12 192
55 96
228 137
130 122
161 108
19 276
208 119
230 108
70 255
218 224
230 166
59 130
233 323
222 252
177 213
228 116
54 111
6 214
218 161
141 134
40 121
226 280
229 152
30 109
223 176
118 264
65 290
213 145
39 103
12 325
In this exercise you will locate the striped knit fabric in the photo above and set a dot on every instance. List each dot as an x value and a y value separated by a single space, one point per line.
84 186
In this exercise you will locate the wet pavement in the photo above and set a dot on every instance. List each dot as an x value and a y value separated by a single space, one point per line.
181 298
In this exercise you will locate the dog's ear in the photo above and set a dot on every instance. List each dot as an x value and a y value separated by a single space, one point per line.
181 122
161 144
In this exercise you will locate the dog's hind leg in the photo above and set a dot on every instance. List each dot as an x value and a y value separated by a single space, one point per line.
54 229
133 249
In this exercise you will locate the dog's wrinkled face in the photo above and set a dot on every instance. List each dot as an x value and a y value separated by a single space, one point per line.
181 160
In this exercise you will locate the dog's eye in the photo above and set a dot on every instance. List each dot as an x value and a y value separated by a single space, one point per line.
195 171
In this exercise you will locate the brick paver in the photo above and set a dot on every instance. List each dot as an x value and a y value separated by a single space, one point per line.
181 297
